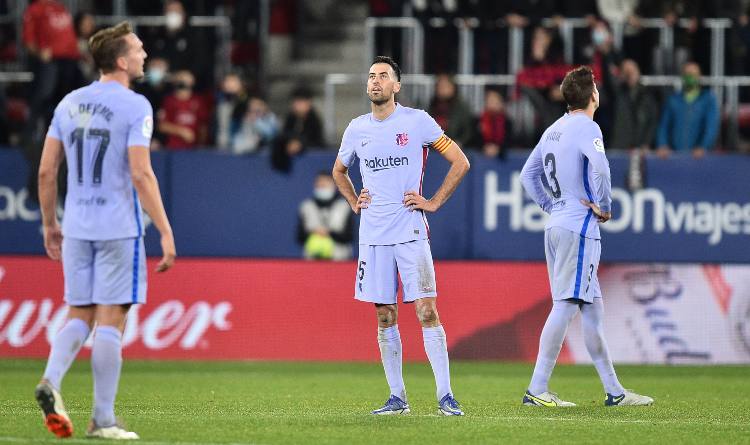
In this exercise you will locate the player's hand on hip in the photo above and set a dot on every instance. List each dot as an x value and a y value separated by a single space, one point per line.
602 217
168 253
415 201
53 241
363 200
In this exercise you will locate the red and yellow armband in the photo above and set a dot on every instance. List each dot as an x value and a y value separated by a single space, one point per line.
442 143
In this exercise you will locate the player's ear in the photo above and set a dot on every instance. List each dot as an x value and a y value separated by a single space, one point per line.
397 87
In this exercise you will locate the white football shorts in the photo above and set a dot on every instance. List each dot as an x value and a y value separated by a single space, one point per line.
379 268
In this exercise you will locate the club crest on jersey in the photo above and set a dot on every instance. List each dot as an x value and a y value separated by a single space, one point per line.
402 139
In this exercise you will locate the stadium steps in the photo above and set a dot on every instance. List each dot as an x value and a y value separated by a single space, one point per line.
333 46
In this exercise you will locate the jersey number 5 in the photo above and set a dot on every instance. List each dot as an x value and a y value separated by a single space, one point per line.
76 137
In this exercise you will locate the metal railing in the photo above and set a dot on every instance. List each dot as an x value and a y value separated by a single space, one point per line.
418 89
567 26
412 40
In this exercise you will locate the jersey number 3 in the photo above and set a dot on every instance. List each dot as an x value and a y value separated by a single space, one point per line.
551 167
76 137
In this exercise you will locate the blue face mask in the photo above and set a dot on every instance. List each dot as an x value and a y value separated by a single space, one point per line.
599 37
155 76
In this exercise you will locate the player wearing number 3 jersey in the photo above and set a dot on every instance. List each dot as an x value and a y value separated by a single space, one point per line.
570 156
104 132
392 144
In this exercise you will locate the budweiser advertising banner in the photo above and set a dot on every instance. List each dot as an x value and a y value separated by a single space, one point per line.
229 309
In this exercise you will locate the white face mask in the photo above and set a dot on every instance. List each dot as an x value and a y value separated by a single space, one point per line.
174 20
324 193
155 76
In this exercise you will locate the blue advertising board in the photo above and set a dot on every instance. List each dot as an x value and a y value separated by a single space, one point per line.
223 205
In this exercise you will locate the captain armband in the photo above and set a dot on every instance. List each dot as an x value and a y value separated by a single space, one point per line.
442 143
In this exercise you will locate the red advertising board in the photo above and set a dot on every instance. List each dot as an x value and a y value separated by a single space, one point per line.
237 309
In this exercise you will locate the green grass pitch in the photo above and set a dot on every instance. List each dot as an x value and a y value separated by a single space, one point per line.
328 403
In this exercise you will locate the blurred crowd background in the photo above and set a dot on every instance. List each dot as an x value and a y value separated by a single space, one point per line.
280 77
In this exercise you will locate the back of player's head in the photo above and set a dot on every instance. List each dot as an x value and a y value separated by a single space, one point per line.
577 88
108 44
392 63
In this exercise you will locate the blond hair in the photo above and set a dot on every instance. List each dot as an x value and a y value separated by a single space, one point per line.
108 44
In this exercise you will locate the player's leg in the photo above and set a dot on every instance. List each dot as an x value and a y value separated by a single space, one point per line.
377 283
415 266
561 248
592 319
119 282
77 270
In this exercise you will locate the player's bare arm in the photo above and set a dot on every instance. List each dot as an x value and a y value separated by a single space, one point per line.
459 167
52 157
344 183
145 183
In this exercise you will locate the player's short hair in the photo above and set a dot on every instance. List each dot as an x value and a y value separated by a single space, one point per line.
108 44
577 88
392 63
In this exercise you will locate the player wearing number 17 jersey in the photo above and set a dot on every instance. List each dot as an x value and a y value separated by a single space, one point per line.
571 157
392 144
104 132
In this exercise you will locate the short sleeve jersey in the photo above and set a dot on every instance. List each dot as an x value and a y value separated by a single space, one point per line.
96 125
392 158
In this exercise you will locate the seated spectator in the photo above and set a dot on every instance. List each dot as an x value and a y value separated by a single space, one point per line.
325 228
231 104
494 125
302 129
451 112
155 87
184 116
258 128
635 111
85 27
690 118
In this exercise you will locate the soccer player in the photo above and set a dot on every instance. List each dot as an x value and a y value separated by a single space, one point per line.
104 131
392 143
571 156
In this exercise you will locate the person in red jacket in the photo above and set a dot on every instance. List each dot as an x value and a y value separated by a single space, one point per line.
494 125
50 39
184 116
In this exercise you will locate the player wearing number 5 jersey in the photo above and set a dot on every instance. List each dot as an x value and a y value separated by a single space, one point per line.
570 155
392 144
104 132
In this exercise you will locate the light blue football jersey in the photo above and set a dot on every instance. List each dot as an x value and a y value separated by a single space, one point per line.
96 125
392 158
571 156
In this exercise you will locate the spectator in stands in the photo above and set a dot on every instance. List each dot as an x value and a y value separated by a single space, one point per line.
604 60
494 125
258 129
155 87
231 104
184 47
325 228
50 39
635 110
302 129
85 27
539 80
690 118
451 112
183 117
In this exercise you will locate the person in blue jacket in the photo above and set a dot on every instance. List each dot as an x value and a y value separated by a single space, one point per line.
690 118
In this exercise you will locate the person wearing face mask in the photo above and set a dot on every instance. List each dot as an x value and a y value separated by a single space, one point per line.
689 119
231 104
325 228
302 129
155 87
183 117
182 46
